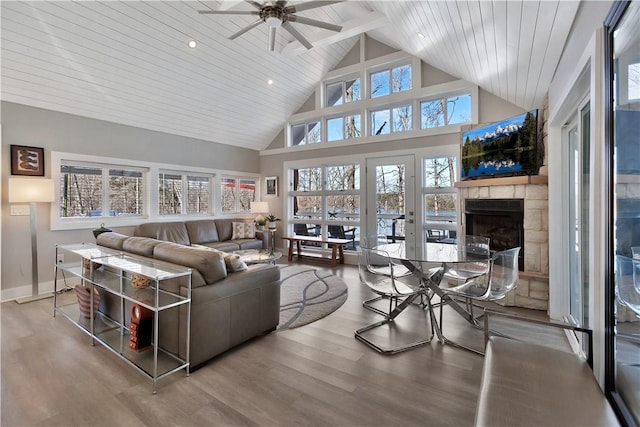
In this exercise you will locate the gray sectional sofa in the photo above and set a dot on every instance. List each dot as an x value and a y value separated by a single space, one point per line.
227 307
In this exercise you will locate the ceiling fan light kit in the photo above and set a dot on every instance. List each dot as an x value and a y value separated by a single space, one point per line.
278 15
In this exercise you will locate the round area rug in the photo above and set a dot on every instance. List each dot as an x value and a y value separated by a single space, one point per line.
307 294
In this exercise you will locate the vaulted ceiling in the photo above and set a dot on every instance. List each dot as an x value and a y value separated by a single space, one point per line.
128 62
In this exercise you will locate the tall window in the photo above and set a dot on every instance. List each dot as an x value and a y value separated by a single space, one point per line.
237 194
390 81
445 111
93 190
342 92
183 193
440 198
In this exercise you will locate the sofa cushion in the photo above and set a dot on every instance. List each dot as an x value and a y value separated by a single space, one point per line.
243 230
202 231
140 246
226 246
111 240
209 263
167 231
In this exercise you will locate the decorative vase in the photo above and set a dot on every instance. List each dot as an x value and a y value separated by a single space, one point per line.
84 301
271 225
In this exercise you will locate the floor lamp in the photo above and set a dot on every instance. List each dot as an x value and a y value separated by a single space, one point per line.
32 191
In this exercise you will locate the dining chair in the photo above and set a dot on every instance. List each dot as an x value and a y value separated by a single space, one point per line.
635 252
627 287
501 278
476 250
389 286
374 241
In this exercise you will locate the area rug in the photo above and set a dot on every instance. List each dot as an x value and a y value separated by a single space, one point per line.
308 294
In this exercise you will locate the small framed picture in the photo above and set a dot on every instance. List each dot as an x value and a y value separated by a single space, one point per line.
27 160
272 186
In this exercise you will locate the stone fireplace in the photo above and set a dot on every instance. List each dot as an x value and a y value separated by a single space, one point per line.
528 194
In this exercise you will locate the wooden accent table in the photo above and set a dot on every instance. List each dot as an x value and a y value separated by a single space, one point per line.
336 245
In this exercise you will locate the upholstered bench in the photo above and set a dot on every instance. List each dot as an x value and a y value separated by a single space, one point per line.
526 384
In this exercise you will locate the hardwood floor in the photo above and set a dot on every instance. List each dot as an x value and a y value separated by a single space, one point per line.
318 374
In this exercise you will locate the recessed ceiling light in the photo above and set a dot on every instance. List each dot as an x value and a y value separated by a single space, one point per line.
420 35
269 82
192 44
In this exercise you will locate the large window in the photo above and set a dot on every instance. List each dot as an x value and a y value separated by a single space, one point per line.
306 133
440 199
94 190
445 111
393 80
389 120
339 128
183 193
237 194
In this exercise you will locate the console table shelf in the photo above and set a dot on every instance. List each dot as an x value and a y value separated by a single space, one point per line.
111 272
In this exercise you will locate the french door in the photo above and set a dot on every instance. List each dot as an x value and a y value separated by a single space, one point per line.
391 199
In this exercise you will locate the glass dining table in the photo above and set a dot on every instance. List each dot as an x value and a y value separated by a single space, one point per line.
439 259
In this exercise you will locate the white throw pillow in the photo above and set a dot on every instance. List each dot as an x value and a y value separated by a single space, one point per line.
243 230
232 261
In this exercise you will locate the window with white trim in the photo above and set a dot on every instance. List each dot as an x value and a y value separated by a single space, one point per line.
306 133
440 198
445 111
100 190
237 193
345 127
390 120
184 193
342 92
388 81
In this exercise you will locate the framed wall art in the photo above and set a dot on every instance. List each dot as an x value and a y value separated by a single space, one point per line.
272 186
27 160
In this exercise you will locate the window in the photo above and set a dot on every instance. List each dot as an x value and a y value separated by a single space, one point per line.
390 120
339 128
445 111
634 81
94 190
390 81
236 194
306 133
183 193
440 197
342 92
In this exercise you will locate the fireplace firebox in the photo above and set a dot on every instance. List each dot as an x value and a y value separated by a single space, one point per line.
502 220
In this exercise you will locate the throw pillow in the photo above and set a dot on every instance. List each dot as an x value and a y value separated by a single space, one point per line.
243 230
233 262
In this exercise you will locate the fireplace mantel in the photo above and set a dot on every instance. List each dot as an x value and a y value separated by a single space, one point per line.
510 180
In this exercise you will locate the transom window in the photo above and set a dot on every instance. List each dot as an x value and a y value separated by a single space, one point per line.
339 128
445 111
94 190
389 120
237 194
390 81
184 193
306 133
339 93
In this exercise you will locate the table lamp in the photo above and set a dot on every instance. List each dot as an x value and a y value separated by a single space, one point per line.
260 208
32 191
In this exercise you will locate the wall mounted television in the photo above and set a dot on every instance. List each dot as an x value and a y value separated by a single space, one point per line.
505 148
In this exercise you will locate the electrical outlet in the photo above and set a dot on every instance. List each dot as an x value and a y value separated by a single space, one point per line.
60 259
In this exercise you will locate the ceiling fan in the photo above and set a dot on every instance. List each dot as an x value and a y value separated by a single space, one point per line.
277 14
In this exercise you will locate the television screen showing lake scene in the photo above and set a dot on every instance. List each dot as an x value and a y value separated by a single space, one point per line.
507 147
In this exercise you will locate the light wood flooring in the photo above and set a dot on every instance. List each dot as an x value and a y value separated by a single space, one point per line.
315 375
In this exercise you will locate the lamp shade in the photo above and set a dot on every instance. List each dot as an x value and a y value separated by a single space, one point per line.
259 207
27 190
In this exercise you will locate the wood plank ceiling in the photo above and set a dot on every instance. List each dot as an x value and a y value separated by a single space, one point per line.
128 62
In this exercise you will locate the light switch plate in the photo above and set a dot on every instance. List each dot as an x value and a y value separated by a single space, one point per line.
20 210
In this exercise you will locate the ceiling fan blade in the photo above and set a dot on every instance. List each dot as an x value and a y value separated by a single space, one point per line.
254 4
313 22
245 29
272 39
229 12
287 26
310 5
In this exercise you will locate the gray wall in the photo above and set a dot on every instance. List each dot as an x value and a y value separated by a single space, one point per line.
24 125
